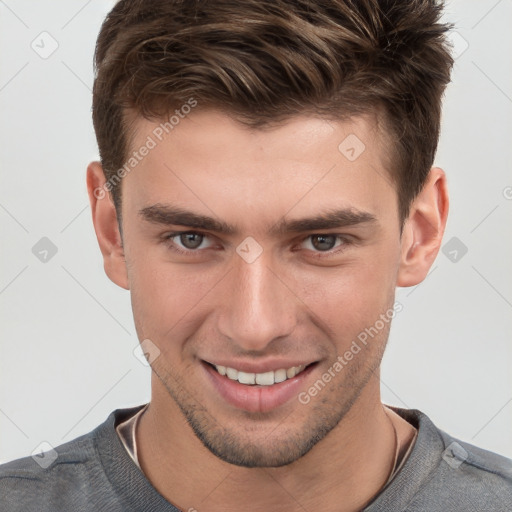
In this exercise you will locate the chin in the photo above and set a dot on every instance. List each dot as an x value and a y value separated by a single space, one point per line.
254 446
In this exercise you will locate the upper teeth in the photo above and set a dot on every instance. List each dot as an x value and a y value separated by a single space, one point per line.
263 379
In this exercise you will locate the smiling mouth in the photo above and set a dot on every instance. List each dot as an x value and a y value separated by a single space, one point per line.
262 379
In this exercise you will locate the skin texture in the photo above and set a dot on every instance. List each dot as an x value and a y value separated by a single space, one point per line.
293 303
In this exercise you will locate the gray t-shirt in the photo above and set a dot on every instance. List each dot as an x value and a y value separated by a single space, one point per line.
94 473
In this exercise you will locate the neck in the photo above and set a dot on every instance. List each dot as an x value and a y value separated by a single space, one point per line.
343 472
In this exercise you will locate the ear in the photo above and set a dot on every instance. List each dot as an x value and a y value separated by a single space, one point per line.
423 230
106 226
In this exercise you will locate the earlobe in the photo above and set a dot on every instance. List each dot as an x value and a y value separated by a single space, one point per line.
106 226
423 230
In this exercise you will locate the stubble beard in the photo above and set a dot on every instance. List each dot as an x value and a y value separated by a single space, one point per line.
287 442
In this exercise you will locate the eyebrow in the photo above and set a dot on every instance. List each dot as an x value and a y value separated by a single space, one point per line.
170 215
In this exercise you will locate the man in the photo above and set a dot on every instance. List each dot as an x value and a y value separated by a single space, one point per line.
265 183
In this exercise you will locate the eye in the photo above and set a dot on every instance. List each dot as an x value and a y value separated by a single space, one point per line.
189 240
323 243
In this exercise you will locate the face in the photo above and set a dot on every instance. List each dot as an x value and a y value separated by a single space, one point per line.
261 254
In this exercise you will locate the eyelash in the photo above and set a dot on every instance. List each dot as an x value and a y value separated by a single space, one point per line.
346 241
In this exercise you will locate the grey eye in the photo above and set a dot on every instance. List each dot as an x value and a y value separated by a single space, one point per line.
191 240
323 242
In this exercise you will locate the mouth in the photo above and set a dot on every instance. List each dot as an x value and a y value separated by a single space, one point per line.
262 379
258 391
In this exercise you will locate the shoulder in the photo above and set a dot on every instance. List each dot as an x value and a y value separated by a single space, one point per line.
42 477
62 478
458 475
468 465
468 478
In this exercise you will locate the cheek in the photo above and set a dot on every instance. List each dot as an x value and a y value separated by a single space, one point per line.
351 298
167 298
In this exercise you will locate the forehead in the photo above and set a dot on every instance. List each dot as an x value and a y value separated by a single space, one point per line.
208 157
298 135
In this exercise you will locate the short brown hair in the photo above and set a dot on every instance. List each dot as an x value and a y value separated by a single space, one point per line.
264 61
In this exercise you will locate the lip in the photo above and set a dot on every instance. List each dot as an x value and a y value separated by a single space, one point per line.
256 398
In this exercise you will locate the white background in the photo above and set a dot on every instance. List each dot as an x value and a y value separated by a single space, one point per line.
67 334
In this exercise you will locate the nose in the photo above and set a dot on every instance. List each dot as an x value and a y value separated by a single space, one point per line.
257 306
